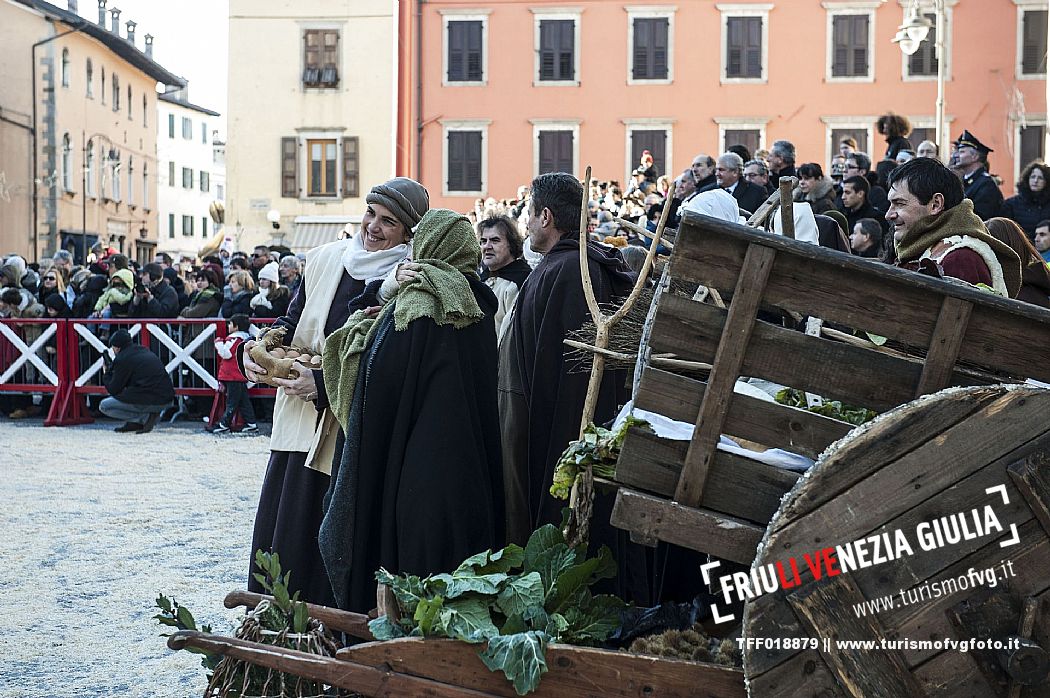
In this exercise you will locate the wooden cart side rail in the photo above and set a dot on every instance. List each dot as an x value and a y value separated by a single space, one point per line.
760 421
835 370
574 672
353 624
739 486
370 681
864 294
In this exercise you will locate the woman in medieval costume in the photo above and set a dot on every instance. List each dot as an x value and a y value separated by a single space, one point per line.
419 485
341 277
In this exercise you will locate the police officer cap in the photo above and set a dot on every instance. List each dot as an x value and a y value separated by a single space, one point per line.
971 140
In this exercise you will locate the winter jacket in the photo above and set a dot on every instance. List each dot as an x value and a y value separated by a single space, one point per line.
226 348
1026 210
138 377
204 303
239 302
821 196
163 302
84 304
117 296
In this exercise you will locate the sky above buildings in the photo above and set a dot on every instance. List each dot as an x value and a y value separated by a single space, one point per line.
191 39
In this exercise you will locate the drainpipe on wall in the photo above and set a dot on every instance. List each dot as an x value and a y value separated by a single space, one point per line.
419 90
32 181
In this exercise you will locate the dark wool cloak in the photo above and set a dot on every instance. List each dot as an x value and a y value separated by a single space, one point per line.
542 397
419 486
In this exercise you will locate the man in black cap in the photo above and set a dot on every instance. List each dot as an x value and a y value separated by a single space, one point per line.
970 160
139 386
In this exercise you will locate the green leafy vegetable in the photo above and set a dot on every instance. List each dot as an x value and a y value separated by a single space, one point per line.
515 601
599 447
829 408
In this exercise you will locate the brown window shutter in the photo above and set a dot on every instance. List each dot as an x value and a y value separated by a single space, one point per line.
289 167
351 167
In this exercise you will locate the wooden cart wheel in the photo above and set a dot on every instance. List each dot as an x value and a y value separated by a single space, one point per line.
976 460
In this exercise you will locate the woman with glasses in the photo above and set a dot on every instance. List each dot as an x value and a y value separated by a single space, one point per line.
51 283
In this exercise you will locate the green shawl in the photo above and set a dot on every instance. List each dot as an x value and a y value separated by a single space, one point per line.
447 252
959 220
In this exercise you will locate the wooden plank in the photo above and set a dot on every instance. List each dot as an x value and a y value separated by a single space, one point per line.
805 677
573 671
1004 341
696 529
864 673
951 675
944 348
739 486
987 613
881 442
902 303
770 616
1028 573
1031 475
760 421
962 450
732 346
353 624
835 370
365 680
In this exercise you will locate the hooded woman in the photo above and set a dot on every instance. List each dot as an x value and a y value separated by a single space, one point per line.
340 277
1031 204
419 485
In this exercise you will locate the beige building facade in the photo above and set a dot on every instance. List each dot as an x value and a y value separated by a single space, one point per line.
78 163
311 116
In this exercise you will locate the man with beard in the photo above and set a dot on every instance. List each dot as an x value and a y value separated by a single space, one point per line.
970 160
936 232
541 396
503 268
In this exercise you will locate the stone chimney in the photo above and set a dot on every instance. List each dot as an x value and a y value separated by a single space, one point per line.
72 5
148 39
102 13
115 17
131 24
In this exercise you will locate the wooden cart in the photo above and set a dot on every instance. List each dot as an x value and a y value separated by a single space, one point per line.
923 457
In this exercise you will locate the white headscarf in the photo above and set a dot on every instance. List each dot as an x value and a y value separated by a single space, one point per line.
717 203
805 223
371 266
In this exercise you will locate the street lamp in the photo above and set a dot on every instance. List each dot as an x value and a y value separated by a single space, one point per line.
274 216
910 35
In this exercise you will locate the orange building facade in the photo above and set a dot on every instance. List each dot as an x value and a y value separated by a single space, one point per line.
493 93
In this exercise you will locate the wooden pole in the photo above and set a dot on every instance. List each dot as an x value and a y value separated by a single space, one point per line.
787 207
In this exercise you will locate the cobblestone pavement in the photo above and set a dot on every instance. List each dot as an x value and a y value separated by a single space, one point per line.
94 525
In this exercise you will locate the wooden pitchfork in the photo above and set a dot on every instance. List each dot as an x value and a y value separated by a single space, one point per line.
581 503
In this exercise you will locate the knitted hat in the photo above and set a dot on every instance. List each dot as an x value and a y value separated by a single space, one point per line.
120 339
269 272
406 198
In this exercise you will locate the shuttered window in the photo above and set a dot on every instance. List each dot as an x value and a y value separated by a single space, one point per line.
858 134
1032 140
320 58
653 140
555 152
464 51
744 47
920 134
849 46
1033 42
557 49
289 167
650 48
924 61
747 137
351 167
464 161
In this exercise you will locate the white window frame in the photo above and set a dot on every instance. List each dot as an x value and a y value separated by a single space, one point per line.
304 159
1022 7
1029 120
465 15
851 122
450 125
849 7
930 121
67 163
568 13
648 124
540 125
131 181
91 166
927 7
145 186
650 12
740 123
744 10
